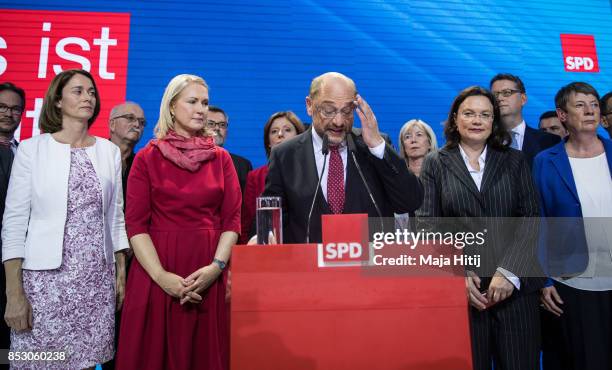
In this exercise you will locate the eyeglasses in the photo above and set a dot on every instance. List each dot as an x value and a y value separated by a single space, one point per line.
132 118
506 93
213 124
469 115
329 112
16 110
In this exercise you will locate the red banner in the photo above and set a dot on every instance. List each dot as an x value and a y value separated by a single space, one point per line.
37 45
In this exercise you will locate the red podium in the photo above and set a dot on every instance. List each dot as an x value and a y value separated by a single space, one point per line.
289 313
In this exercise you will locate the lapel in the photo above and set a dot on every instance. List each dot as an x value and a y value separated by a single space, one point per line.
451 158
560 160
493 163
6 161
309 165
530 144
608 148
352 202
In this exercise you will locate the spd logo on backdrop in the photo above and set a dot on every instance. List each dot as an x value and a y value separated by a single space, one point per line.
37 45
579 53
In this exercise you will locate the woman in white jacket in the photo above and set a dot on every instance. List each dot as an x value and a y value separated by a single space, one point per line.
63 225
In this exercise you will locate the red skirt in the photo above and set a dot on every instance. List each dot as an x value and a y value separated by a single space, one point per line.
156 331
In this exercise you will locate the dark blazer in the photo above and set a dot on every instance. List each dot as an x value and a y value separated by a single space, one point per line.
507 192
293 176
564 248
535 141
6 162
243 166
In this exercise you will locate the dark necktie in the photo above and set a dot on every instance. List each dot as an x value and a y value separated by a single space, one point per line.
335 181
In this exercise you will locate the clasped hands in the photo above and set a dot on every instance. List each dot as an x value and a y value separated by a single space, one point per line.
499 289
189 289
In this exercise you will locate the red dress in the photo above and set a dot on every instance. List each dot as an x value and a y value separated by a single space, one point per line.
255 184
184 213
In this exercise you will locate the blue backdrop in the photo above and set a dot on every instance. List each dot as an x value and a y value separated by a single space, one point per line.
408 58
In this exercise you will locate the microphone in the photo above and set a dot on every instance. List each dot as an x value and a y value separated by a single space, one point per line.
324 151
350 143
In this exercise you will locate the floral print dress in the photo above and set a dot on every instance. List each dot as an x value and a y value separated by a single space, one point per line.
73 306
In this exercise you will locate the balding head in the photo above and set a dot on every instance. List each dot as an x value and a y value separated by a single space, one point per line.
319 82
126 123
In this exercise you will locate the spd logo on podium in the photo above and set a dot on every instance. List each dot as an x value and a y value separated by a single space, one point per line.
345 241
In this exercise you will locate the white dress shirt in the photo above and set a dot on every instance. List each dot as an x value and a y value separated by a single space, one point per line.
595 194
477 177
317 143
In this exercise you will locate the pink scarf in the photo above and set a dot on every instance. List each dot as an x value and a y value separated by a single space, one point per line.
187 153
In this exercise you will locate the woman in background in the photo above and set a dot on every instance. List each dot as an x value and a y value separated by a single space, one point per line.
574 179
63 222
280 127
416 140
183 217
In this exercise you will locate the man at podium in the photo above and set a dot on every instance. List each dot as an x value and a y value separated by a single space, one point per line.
329 169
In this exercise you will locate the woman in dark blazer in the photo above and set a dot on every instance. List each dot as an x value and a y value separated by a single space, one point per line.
475 177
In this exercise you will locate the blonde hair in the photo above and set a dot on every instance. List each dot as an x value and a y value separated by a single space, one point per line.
174 88
318 83
433 142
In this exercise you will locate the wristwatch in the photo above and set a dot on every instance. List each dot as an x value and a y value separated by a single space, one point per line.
220 263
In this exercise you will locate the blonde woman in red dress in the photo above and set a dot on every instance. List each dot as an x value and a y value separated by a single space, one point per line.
183 218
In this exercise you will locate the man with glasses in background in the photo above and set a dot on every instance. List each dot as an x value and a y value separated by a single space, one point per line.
217 124
295 166
606 112
510 93
126 124
12 105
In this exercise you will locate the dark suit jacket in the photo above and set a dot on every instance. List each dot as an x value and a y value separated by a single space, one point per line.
535 141
6 162
243 166
293 176
507 193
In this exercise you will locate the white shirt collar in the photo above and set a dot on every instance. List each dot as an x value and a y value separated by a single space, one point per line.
520 129
481 159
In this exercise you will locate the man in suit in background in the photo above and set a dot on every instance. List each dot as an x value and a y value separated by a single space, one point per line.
12 105
217 123
606 112
549 122
510 93
296 165
126 124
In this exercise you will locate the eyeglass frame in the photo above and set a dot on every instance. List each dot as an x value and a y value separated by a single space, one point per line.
336 111
469 115
213 124
5 108
131 117
506 93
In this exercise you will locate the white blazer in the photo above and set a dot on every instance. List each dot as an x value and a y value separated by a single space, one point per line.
37 201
